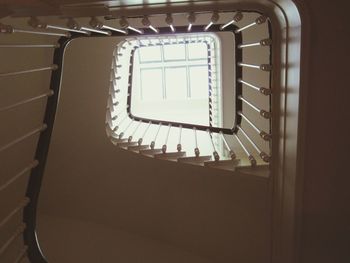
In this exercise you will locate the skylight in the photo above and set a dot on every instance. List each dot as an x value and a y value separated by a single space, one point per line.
170 78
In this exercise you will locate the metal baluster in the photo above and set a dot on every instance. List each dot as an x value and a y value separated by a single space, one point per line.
19 175
179 147
260 20
139 142
263 67
33 132
263 113
215 153
214 18
231 152
196 149
262 154
169 20
136 128
21 255
263 42
127 127
16 234
45 95
237 17
22 204
262 134
164 147
153 143
262 90
5 74
250 157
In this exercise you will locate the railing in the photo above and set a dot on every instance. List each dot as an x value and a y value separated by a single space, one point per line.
220 138
125 130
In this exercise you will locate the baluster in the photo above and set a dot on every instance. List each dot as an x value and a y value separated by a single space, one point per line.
214 18
250 157
5 74
16 234
164 147
179 147
27 135
19 175
191 20
9 30
263 113
95 23
45 95
130 137
196 149
215 153
35 23
127 127
262 134
169 20
260 20
146 22
237 17
231 152
263 42
262 154
125 24
153 143
263 67
22 204
144 134
21 255
262 90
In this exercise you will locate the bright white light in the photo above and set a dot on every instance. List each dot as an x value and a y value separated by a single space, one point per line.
189 27
208 26
172 28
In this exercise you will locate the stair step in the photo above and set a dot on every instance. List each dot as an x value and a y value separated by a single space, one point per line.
116 141
223 164
195 160
170 155
137 148
126 144
150 152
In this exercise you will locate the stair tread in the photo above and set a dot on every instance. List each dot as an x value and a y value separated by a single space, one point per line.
170 155
117 140
150 151
126 144
223 164
138 147
194 159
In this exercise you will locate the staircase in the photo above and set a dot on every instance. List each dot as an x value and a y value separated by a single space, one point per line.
247 145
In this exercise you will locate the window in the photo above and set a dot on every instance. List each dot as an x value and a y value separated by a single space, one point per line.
170 78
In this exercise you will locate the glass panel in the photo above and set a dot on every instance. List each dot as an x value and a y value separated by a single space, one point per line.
150 54
174 52
199 82
151 84
176 83
197 51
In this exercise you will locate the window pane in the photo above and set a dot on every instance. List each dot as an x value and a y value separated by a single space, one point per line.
151 84
150 54
174 52
197 51
199 82
176 83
